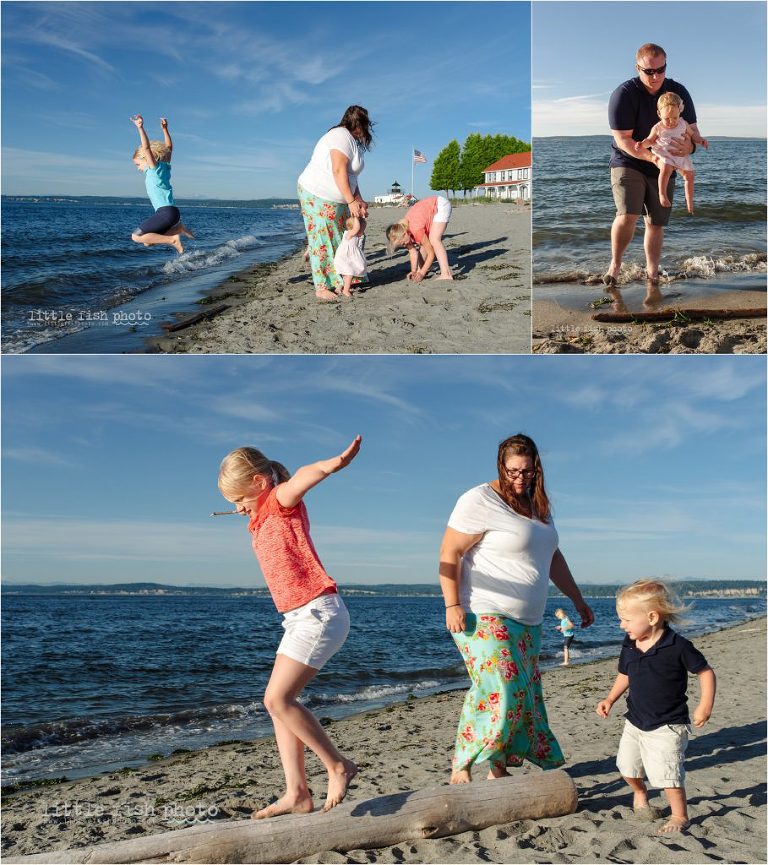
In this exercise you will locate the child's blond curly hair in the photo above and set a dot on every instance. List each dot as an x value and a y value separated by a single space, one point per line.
654 595
160 151
670 99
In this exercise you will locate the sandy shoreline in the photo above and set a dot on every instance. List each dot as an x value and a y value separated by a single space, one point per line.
272 308
558 328
408 746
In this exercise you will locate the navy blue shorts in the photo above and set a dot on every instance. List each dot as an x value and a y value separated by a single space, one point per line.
162 219
567 641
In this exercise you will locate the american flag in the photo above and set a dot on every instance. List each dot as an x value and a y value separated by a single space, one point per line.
418 156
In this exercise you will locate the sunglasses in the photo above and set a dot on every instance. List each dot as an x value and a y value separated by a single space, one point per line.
660 71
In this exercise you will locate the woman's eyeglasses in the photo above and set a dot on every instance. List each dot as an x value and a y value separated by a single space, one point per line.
517 473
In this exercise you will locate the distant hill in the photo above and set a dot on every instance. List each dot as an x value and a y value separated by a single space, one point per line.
686 588
127 199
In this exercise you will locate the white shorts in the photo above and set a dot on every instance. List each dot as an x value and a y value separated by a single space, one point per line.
444 207
316 631
658 754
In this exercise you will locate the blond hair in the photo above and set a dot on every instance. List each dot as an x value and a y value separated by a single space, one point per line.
654 595
670 99
395 233
650 49
239 466
160 151
560 613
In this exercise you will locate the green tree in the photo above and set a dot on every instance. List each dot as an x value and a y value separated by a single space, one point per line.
445 171
481 151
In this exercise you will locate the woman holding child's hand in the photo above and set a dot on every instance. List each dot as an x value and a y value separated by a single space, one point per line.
498 554
329 194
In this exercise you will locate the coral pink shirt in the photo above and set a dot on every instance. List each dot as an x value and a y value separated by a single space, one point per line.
292 569
420 217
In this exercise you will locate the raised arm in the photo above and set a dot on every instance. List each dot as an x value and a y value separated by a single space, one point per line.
452 549
167 136
146 152
292 491
561 576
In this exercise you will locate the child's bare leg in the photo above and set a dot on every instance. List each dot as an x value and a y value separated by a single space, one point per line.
346 289
435 238
688 177
287 681
297 799
152 239
678 805
665 172
640 793
566 656
180 229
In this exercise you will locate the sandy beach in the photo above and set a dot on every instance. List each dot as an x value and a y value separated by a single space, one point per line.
486 309
408 745
559 327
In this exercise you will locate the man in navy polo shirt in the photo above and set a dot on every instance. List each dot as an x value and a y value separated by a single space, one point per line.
634 176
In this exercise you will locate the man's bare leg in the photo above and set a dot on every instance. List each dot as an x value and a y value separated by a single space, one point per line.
622 232
653 243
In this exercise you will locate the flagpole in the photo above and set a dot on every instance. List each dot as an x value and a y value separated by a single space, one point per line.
412 152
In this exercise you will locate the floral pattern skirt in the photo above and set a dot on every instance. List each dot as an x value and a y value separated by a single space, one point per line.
325 225
504 719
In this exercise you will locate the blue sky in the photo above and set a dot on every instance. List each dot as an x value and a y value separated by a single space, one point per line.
583 51
656 465
249 87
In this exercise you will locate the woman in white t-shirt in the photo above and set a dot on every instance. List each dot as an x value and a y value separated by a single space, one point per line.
329 194
497 556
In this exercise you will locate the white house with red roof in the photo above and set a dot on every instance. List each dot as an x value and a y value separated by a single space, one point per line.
508 178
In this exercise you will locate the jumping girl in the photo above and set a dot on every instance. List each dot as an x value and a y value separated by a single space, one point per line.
153 158
315 619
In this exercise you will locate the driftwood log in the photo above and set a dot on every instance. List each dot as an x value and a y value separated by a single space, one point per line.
414 815
690 314
171 327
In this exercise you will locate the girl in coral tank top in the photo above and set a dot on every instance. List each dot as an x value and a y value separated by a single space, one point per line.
315 619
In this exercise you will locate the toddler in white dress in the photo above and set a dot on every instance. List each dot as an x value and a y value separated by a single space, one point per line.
671 127
349 260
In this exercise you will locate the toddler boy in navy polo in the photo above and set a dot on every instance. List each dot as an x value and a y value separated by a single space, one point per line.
654 665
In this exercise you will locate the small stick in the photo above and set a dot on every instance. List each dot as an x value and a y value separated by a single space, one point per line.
222 513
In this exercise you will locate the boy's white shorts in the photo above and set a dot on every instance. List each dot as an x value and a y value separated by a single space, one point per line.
444 208
657 754
316 631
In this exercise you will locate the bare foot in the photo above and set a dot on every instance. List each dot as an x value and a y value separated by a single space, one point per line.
176 243
565 664
338 784
346 294
450 276
497 772
325 296
674 824
286 805
461 777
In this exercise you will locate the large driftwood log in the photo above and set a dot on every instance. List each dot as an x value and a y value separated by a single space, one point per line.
672 313
414 815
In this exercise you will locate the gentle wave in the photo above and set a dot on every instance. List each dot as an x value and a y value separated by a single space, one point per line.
695 267
201 259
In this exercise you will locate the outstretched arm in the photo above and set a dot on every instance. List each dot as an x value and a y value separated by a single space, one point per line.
146 152
653 136
167 136
561 576
290 493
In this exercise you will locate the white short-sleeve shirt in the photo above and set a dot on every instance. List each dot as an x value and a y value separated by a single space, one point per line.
507 571
317 177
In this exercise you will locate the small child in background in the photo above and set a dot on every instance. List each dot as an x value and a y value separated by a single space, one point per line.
672 126
349 260
153 158
566 629
654 665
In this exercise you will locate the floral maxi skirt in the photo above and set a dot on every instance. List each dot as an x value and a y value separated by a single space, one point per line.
325 225
504 719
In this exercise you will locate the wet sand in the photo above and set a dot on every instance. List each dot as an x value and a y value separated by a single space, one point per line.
486 309
563 318
408 746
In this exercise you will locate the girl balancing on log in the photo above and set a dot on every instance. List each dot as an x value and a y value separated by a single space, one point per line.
315 619
499 552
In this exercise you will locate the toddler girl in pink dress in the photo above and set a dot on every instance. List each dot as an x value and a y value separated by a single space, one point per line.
349 259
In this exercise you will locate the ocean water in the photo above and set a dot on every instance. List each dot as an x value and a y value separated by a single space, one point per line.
573 211
74 281
92 683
